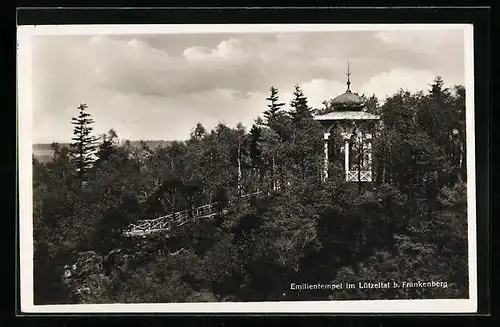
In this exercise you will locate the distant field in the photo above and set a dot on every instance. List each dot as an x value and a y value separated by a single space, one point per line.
46 146
44 153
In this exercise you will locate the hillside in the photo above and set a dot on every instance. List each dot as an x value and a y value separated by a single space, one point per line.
408 224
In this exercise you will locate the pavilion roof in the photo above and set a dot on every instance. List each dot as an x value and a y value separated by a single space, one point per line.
348 98
347 115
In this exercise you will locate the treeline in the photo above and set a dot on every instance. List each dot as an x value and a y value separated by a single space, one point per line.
412 225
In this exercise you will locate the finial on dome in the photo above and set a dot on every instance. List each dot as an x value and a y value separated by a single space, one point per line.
348 77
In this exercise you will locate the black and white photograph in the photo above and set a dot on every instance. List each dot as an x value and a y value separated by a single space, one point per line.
247 168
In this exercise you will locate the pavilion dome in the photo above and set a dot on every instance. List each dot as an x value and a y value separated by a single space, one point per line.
348 100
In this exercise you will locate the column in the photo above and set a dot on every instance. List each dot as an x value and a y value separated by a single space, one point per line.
326 137
346 159
369 149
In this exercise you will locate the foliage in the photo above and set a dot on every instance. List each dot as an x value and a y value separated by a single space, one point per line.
409 225
83 142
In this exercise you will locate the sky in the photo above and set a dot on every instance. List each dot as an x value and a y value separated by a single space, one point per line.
159 86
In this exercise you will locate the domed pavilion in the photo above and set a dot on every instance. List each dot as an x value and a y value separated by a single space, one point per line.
355 127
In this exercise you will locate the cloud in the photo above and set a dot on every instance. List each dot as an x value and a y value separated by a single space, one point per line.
227 50
388 83
424 41
319 90
135 67
382 85
197 54
174 118
161 85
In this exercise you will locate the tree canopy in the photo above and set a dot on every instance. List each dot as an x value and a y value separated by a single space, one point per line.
410 225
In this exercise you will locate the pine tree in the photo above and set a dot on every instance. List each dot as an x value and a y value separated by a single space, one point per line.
300 109
83 143
276 118
272 114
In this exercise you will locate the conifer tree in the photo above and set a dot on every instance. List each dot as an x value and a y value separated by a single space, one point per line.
300 109
272 114
276 118
83 143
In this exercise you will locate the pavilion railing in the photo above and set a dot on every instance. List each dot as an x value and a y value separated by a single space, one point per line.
359 176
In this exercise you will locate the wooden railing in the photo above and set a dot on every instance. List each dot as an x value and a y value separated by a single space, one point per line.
177 219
